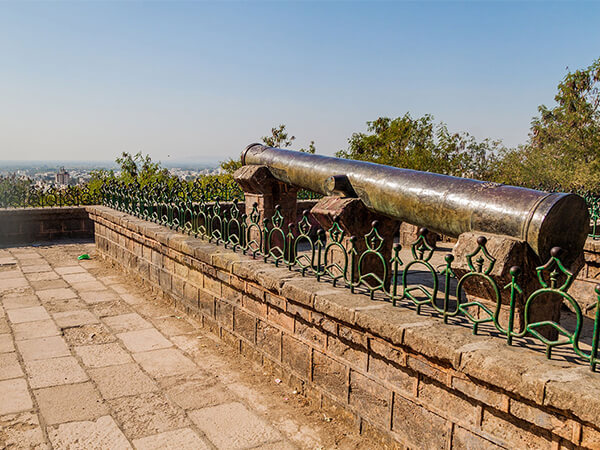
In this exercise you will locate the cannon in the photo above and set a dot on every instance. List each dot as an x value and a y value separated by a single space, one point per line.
444 204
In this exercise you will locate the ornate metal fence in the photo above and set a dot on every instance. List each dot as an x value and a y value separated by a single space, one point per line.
291 246
16 193
593 202
13 195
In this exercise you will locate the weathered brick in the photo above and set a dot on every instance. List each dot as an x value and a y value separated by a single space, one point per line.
181 270
165 279
190 294
154 274
177 284
196 277
244 324
255 291
206 303
280 318
156 258
229 338
427 368
331 375
481 393
311 333
449 404
212 285
402 378
169 265
237 283
417 427
257 307
230 294
298 310
387 351
558 425
224 314
323 322
348 351
224 277
353 335
250 352
296 355
370 399
465 440
211 325
512 435
269 339
275 300
590 437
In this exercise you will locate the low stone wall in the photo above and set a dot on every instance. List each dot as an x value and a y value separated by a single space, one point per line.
409 378
28 225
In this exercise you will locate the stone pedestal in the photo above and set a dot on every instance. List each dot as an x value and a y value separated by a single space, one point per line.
262 189
508 252
356 220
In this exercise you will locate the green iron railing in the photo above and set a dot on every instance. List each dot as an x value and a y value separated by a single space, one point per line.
15 193
296 247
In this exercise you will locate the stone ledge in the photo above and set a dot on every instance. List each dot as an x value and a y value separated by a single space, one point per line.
489 370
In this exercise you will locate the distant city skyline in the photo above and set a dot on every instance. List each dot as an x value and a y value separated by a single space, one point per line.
196 82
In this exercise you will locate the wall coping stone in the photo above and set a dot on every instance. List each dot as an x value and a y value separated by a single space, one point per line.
520 372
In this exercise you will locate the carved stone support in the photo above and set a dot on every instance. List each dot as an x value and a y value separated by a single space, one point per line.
507 252
356 220
262 189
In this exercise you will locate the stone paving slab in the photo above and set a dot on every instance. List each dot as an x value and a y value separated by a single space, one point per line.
102 355
17 429
59 404
122 380
249 429
43 348
10 366
183 439
6 343
54 372
36 329
101 433
14 396
88 360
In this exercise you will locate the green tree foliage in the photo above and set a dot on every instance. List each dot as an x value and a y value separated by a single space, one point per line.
421 144
311 148
279 138
231 165
141 169
563 151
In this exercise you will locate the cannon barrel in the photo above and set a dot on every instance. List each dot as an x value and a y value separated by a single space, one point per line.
445 204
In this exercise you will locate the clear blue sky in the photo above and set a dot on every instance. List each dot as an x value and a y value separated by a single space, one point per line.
197 81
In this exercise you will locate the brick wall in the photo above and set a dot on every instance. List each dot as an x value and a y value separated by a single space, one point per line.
28 225
409 378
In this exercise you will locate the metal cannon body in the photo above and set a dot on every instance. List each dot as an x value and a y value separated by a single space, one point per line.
445 204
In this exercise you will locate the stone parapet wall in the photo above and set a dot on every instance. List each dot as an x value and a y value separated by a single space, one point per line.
28 225
409 378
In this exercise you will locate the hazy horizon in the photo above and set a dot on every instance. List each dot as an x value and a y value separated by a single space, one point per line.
198 81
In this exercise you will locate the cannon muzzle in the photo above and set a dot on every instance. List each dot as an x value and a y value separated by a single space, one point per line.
442 203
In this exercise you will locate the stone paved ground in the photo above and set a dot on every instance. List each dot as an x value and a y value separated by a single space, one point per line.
89 359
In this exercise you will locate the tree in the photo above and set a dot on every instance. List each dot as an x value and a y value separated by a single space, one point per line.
231 165
563 151
141 169
311 148
421 144
279 138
